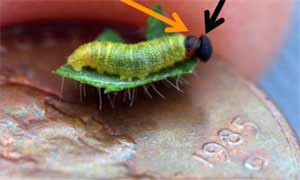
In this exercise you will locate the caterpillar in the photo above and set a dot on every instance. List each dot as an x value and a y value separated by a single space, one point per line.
141 59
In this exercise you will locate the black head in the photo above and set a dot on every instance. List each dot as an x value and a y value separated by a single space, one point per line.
200 48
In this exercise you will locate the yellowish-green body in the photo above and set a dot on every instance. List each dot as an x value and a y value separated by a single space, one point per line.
130 60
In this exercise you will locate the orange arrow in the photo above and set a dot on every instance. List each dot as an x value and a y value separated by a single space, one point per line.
176 25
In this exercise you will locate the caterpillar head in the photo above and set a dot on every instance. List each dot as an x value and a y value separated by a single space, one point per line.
200 48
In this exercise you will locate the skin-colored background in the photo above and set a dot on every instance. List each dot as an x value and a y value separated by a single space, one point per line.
248 40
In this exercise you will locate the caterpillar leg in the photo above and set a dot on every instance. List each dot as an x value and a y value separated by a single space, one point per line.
115 95
110 101
100 70
62 88
124 96
133 96
147 92
165 84
130 77
84 90
142 76
196 74
157 91
125 78
129 94
80 92
177 81
100 98
173 85
183 81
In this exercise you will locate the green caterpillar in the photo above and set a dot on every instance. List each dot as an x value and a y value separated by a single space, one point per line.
141 59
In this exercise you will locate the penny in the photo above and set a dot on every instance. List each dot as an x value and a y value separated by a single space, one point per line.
221 127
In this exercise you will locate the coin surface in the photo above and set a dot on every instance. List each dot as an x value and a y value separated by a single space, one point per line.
221 127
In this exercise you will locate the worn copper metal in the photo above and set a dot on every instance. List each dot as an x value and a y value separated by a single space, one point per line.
221 127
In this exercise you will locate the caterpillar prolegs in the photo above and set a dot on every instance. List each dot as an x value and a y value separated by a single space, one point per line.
140 59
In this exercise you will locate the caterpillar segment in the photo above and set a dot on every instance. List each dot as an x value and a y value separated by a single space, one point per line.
139 60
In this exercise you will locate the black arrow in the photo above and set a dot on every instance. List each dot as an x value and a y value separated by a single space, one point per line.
212 23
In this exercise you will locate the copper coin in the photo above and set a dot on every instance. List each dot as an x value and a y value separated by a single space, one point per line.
221 127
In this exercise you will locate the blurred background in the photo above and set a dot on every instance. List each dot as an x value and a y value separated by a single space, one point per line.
281 82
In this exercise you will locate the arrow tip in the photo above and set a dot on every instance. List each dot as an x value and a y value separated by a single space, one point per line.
177 25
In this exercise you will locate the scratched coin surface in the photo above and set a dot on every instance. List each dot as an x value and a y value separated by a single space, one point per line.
221 127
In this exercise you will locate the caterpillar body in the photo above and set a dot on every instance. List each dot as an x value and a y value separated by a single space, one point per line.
140 59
